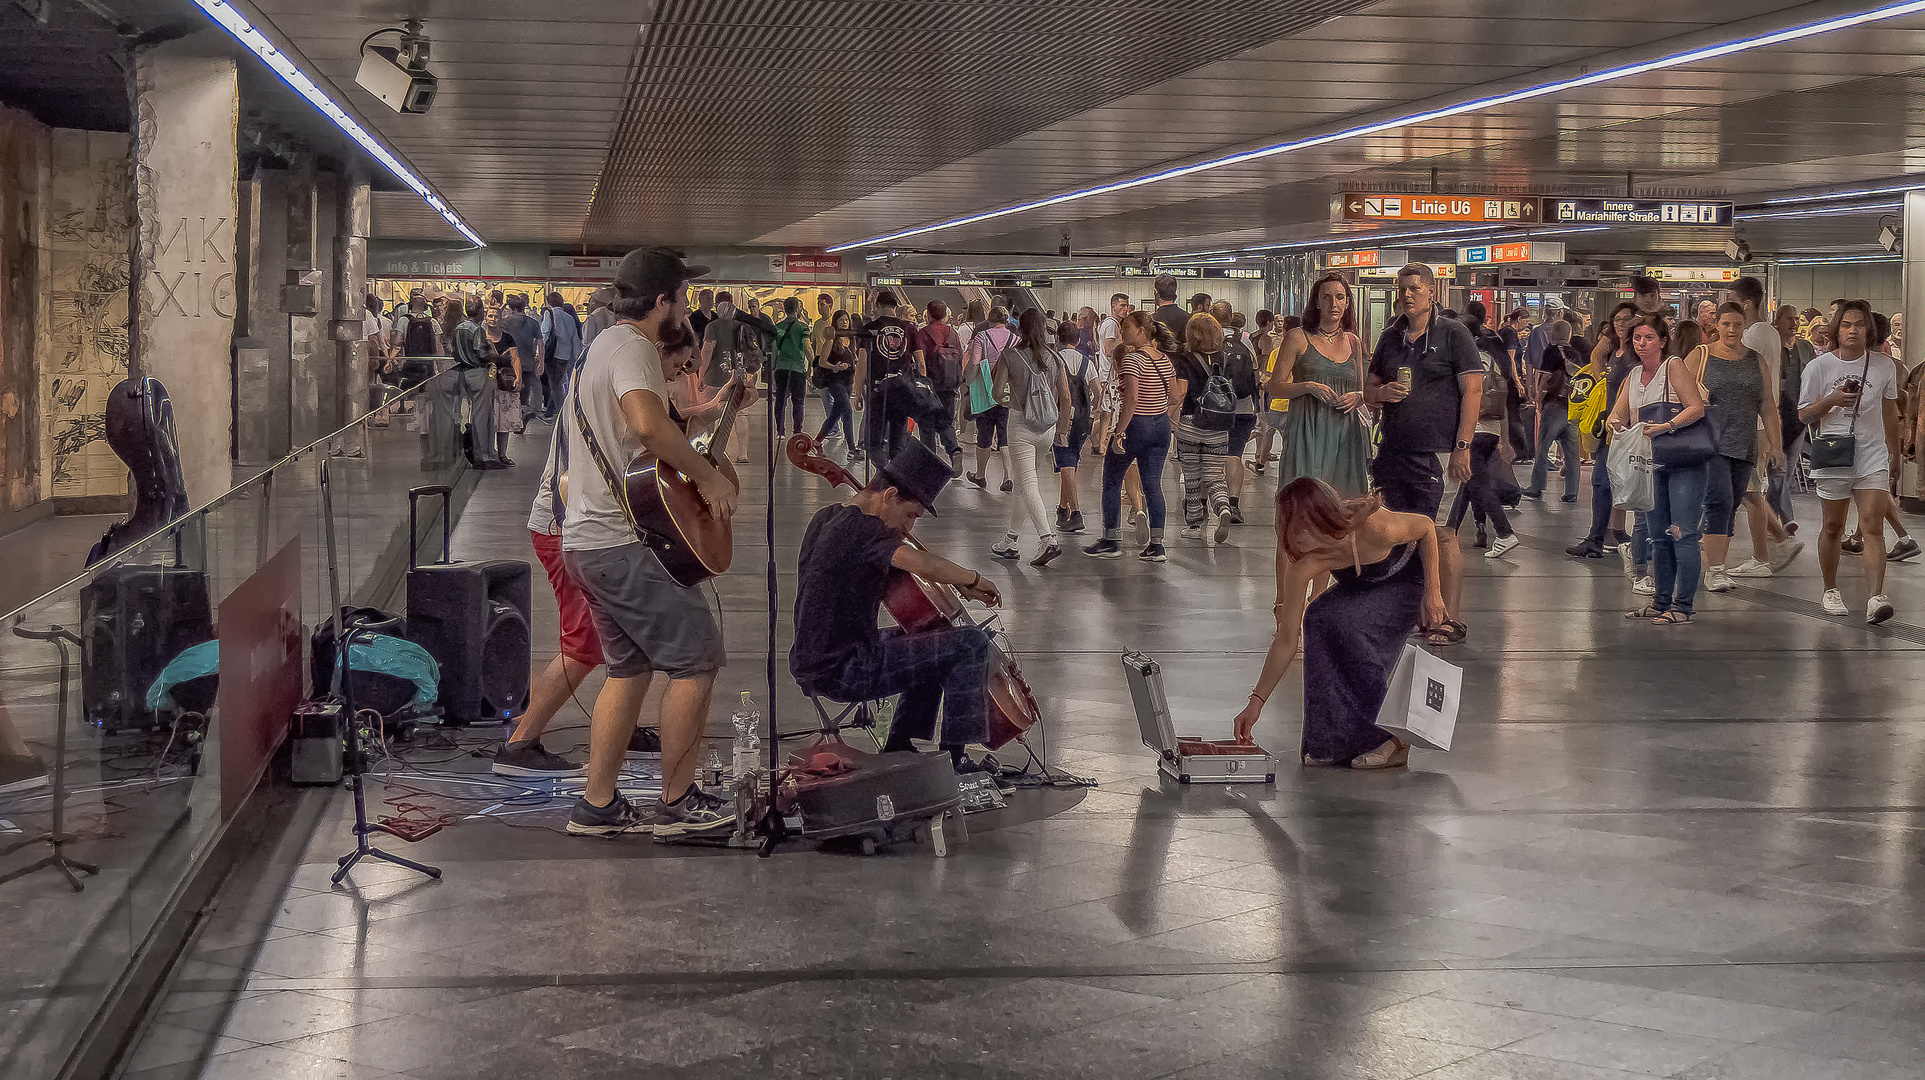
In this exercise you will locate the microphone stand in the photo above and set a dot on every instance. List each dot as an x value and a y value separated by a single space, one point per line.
61 637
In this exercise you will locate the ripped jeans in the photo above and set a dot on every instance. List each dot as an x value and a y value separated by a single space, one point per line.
1676 524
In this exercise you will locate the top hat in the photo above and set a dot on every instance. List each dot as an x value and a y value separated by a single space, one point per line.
917 473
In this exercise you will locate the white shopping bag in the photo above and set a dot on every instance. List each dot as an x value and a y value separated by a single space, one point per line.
1632 486
1422 703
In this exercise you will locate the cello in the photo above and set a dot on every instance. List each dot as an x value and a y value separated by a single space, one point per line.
919 606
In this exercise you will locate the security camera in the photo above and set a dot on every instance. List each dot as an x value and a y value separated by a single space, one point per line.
1889 239
1738 251
399 76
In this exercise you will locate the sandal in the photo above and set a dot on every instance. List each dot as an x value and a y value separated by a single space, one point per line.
1672 618
1391 755
1448 632
1645 612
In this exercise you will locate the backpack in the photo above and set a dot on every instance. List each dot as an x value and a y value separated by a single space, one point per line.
1079 401
942 354
984 351
1216 409
1496 399
1557 380
1039 404
1241 368
418 338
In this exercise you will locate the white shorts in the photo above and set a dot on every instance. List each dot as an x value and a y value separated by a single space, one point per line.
1840 489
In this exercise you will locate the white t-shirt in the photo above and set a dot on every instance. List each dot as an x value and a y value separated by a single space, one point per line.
373 325
621 360
1880 375
541 515
1763 340
1105 331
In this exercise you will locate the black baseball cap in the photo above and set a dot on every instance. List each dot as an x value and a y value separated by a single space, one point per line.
652 271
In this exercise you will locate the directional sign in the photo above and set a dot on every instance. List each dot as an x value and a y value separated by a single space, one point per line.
1442 271
1356 260
1481 209
1524 251
1666 212
1692 273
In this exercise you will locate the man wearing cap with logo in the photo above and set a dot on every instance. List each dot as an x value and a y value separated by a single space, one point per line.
847 555
645 620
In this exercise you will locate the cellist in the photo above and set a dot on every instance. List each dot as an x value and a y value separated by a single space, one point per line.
840 653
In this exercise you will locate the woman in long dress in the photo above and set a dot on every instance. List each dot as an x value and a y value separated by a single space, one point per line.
1320 367
1389 583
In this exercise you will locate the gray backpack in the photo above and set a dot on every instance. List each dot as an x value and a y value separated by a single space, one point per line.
1039 404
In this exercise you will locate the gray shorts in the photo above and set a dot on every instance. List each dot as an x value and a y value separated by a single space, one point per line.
646 621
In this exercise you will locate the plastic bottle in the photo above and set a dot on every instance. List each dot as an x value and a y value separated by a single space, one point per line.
748 737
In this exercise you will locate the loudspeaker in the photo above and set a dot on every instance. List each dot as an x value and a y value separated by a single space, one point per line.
317 738
133 621
472 617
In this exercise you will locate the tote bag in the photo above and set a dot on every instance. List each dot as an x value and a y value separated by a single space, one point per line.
1632 485
1421 705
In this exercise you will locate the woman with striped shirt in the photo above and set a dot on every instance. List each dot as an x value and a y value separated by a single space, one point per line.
1141 436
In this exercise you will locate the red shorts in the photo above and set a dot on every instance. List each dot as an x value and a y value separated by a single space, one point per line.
579 642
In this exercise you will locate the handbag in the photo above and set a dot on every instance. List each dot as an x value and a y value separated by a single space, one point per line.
1841 451
1692 444
1421 701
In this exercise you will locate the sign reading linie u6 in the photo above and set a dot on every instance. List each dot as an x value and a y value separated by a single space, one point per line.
1480 209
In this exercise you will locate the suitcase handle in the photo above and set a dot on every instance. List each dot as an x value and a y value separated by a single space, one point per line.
415 495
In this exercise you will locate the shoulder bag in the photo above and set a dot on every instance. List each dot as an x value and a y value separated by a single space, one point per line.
1841 451
1692 444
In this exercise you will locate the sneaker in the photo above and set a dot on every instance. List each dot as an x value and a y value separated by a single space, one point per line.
1906 548
1008 486
1629 560
1645 586
1482 540
1570 498
1835 603
1533 493
645 743
970 767
1153 553
1878 610
531 761
1007 549
696 813
1105 549
1222 535
1048 555
1501 546
1853 544
1142 520
979 481
1075 523
619 816
1585 549
1716 579
1750 568
1062 518
1783 554
1192 532
1236 514
21 773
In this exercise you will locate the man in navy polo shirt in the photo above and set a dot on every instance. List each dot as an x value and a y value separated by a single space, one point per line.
1428 380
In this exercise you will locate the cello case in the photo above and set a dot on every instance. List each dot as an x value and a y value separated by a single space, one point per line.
140 428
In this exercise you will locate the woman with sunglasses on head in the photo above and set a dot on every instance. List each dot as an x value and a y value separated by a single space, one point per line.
1662 394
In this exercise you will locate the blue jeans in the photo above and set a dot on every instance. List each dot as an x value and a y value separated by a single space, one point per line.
835 399
940 667
1675 524
1556 428
1147 443
1600 495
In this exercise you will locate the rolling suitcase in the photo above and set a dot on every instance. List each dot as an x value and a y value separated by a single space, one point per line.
1186 758
881 799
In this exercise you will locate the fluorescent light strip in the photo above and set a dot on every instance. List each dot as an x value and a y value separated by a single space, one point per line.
1829 211
1857 193
236 24
1710 52
1840 259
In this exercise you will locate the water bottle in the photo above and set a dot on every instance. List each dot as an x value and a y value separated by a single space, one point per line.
748 737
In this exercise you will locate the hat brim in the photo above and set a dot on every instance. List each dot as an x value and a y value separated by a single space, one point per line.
903 489
690 271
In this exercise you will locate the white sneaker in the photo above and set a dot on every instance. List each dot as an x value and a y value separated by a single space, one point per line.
1716 579
1782 554
1645 586
1835 603
1006 550
1142 527
1501 545
1628 558
1223 527
1749 568
1192 532
1878 610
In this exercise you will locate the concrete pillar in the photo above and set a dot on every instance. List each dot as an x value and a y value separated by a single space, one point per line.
1911 290
187 197
352 224
303 298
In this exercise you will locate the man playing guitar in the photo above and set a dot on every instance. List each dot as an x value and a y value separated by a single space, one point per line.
848 553
646 621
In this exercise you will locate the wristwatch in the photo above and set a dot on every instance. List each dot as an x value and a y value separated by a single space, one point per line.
1462 445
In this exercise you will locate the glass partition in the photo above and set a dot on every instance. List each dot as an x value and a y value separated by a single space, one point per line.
135 769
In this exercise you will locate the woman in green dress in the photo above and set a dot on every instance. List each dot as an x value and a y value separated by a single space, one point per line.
1320 368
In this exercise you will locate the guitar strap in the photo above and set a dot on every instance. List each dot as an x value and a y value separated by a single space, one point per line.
616 487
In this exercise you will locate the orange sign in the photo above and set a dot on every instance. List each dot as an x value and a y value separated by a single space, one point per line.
1356 260
1485 209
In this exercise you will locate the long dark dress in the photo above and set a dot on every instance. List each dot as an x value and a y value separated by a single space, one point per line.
1352 637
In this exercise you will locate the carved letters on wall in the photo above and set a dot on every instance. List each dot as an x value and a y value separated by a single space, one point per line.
86 340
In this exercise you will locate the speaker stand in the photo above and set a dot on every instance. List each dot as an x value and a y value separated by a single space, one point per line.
60 636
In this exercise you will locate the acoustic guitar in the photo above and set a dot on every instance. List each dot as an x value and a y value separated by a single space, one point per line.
670 513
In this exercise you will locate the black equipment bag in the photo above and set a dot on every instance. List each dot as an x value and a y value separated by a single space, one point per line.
385 693
885 798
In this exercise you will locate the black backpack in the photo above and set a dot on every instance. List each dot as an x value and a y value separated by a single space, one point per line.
944 359
418 338
1241 368
1216 410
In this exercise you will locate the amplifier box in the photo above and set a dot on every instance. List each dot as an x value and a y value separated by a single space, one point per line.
317 738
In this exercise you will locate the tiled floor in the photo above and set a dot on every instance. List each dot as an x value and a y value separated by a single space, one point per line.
1687 852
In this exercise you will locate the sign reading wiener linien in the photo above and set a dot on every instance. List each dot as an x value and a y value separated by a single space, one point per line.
1477 209
1666 212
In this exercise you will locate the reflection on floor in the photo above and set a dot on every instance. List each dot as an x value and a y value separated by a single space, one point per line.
1688 852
